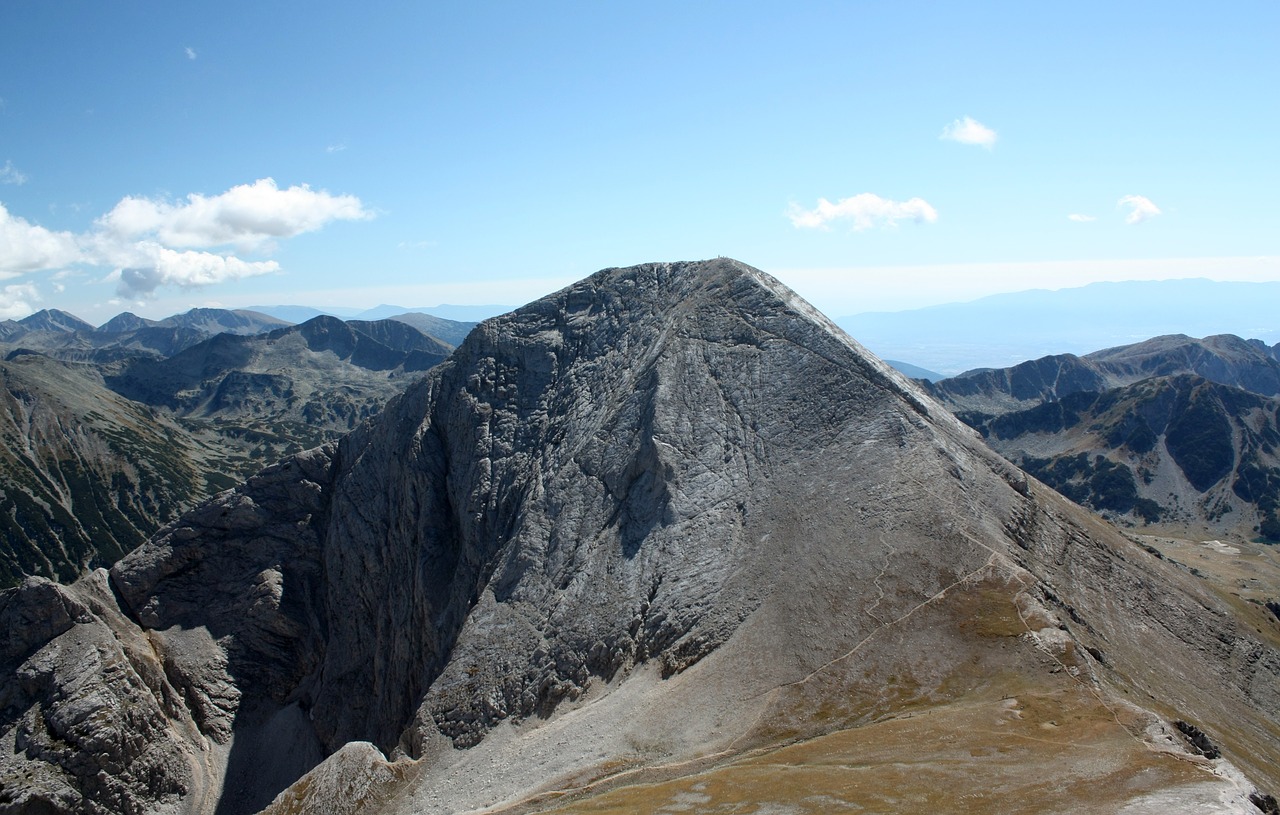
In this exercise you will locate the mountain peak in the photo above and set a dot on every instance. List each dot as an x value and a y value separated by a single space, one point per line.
125 321
52 319
658 518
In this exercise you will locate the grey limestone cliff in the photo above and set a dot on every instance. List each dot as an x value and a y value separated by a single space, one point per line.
673 471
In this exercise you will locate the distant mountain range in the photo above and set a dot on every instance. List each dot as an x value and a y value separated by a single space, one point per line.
1226 359
68 337
465 314
111 432
1004 329
1173 430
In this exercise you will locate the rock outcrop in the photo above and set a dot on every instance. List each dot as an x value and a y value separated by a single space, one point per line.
662 516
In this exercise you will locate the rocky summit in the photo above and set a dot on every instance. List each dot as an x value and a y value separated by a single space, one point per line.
660 538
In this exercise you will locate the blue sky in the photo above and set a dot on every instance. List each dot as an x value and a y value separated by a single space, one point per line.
159 156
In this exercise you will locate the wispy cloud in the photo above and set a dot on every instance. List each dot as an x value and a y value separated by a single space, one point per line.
190 52
970 131
12 175
1140 207
148 243
337 147
862 211
1081 219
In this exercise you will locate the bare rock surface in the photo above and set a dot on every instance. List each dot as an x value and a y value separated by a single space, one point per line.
662 517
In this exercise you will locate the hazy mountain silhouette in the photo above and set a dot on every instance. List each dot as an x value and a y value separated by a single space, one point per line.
1005 329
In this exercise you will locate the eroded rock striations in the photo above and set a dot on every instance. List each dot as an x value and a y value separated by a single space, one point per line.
670 510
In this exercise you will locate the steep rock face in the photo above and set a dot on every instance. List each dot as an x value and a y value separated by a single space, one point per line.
582 478
665 514
89 722
175 682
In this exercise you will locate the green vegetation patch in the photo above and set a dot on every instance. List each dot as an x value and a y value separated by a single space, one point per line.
1097 482
1200 440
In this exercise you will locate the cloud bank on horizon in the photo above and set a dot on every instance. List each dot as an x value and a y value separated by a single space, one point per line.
144 244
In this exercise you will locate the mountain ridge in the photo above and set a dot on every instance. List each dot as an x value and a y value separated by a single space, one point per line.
101 452
560 557
1171 430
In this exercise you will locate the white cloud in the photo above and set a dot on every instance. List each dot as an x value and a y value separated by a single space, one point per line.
248 216
1140 208
191 52
159 266
16 301
26 247
336 148
863 211
12 175
1081 219
969 131
147 244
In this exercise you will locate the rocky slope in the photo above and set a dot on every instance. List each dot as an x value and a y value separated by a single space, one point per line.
85 475
649 525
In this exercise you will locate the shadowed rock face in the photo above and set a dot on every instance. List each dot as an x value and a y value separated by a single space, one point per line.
672 470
